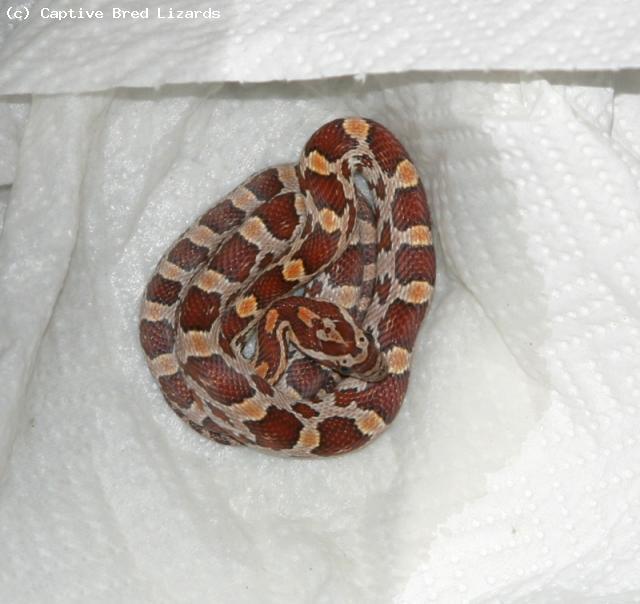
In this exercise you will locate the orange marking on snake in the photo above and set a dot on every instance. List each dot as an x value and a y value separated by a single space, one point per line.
347 296
329 220
370 422
297 226
245 307
420 235
250 410
253 229
407 174
209 280
309 438
196 343
294 270
171 271
418 292
153 311
318 163
356 127
398 360
271 320
166 364
306 315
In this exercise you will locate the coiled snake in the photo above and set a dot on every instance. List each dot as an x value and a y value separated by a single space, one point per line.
329 369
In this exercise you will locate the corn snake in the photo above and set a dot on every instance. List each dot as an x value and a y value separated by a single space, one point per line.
368 269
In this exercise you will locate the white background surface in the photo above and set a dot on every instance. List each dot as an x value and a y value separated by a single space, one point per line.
259 41
511 473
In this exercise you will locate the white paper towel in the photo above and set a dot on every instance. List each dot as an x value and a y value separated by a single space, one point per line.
297 39
512 471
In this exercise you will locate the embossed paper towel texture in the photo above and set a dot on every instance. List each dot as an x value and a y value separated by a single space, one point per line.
297 39
511 473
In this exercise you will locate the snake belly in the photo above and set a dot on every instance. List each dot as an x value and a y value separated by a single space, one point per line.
286 228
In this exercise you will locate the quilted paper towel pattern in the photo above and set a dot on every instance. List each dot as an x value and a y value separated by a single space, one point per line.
512 473
301 40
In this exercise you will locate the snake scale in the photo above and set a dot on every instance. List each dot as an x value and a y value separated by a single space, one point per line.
326 281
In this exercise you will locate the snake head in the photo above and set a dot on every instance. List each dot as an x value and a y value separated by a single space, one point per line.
328 333
321 330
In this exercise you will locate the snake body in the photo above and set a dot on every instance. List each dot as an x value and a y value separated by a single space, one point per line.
330 368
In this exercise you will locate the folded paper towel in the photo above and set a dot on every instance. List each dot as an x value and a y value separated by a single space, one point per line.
199 41
512 471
